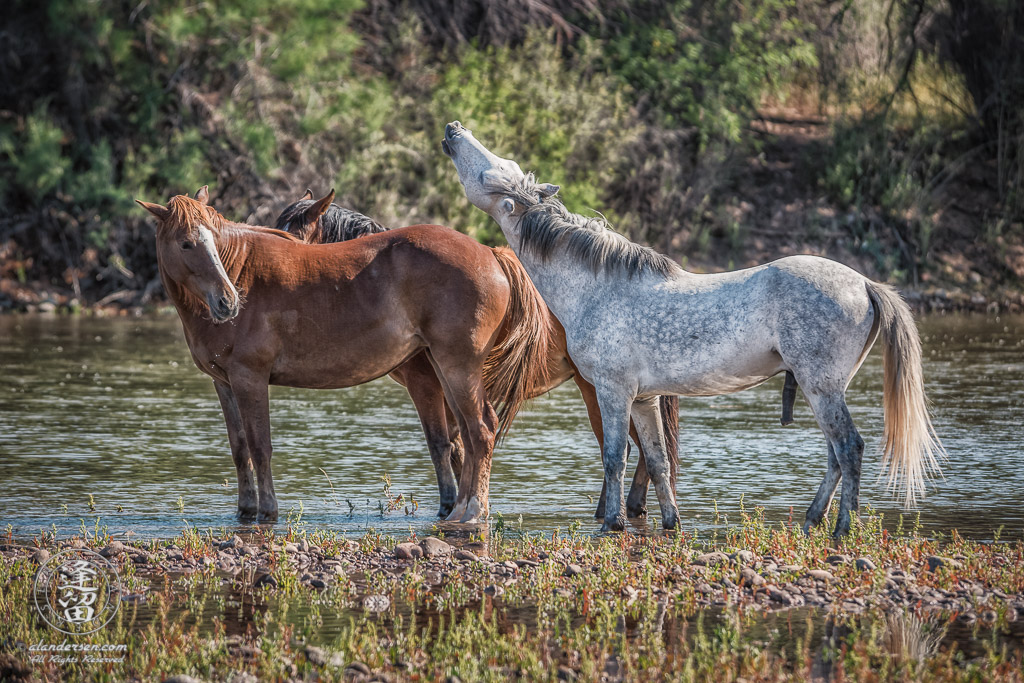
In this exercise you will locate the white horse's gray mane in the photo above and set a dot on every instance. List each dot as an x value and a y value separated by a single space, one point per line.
546 225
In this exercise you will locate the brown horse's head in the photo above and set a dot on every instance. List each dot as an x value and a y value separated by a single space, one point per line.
186 249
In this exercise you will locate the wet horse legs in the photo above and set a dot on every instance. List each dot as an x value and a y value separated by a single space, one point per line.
247 500
252 398
427 395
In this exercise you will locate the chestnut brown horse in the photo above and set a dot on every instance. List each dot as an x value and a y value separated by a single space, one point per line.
320 221
260 307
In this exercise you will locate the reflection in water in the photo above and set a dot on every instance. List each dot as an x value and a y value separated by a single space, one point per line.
115 409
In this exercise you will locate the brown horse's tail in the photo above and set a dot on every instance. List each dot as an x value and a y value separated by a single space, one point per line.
910 446
670 421
517 368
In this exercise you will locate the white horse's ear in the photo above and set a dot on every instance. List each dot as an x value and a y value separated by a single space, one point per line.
508 206
547 190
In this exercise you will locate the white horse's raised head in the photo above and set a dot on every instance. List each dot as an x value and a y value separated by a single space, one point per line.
485 176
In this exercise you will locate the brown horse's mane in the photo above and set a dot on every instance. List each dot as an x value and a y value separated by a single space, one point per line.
184 217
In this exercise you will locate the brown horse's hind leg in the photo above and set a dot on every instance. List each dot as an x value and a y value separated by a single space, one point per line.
466 395
247 500
254 407
419 378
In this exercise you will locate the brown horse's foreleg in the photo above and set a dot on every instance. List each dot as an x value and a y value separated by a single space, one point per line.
419 378
254 407
247 500
636 502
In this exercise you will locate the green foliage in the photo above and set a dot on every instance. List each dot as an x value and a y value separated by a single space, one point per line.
643 114
563 122
708 65
34 155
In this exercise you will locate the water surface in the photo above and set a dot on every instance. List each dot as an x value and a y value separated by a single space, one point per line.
115 409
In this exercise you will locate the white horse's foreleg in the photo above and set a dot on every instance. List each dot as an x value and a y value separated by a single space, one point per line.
826 490
615 407
835 421
647 418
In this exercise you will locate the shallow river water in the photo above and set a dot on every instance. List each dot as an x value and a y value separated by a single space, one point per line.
106 421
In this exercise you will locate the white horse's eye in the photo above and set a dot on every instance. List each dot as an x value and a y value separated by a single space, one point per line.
508 206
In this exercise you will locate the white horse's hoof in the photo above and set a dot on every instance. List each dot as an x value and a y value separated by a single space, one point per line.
457 514
473 512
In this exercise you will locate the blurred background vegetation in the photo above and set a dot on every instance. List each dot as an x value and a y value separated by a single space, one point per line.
888 134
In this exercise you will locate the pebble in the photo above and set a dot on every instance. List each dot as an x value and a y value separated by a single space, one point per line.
113 549
466 555
838 559
408 551
936 561
714 557
821 575
266 580
566 674
751 578
744 556
779 595
435 547
572 570
865 564
359 668
41 555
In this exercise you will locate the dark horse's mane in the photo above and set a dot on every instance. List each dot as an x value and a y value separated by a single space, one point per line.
546 225
337 224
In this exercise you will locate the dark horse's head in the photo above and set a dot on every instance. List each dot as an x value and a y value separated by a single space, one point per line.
318 221
186 249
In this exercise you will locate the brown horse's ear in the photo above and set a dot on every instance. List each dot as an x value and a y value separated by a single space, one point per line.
203 195
314 212
308 195
160 212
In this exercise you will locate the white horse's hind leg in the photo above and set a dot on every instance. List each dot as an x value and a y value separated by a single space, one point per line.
615 409
834 419
647 418
816 512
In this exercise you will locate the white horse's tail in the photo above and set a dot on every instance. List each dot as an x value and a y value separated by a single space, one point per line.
910 447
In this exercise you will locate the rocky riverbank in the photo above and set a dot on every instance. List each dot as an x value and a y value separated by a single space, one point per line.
616 589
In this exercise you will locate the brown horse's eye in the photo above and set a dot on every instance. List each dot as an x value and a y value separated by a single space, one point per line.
186 245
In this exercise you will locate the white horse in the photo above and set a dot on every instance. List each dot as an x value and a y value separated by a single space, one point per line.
639 326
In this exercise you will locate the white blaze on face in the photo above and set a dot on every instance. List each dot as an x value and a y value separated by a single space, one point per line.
207 243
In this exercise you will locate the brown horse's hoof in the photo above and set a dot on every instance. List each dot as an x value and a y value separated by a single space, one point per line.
635 512
246 514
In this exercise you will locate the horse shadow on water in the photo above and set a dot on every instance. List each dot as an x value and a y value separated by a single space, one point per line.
638 326
465 329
